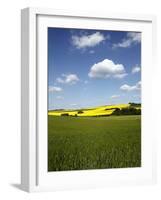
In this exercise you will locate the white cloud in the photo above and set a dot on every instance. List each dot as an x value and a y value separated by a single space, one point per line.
91 51
115 96
55 89
87 40
60 80
135 69
107 68
131 38
128 88
73 104
120 75
68 79
59 97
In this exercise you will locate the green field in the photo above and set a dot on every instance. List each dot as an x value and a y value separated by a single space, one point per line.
77 143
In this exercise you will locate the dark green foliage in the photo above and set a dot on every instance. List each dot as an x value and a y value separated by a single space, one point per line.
64 114
101 116
127 111
109 108
76 143
80 112
57 110
135 104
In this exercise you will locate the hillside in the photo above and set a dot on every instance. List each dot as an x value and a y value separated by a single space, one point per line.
106 110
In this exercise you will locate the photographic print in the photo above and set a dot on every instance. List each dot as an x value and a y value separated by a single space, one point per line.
94 99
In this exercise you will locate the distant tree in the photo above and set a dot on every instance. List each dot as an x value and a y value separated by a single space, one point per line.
64 114
127 111
138 111
135 104
80 112
117 111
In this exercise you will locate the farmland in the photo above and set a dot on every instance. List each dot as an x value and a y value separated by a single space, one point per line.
91 112
76 143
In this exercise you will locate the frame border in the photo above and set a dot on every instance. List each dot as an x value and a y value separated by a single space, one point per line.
29 144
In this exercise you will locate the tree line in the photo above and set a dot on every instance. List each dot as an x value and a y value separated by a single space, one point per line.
127 111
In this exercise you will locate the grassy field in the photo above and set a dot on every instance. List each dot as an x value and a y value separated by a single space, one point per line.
76 143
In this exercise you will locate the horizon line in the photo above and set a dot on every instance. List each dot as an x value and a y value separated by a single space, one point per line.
89 107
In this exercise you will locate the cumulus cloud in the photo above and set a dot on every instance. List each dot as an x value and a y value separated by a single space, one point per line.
68 79
120 75
135 69
128 88
107 68
55 89
84 41
131 38
115 96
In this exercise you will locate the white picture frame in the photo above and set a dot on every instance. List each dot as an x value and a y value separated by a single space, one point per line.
33 158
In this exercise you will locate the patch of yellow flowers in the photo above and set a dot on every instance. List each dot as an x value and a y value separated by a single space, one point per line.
89 112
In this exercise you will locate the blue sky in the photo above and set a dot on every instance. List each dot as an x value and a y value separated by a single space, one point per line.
93 67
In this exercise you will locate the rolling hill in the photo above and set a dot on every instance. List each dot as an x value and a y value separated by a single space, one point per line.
105 110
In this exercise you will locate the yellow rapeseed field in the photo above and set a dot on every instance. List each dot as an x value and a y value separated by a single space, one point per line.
89 112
